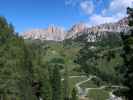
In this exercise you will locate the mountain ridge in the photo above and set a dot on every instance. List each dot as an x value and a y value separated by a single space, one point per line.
55 33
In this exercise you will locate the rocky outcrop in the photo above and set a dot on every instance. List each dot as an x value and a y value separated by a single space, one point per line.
103 30
76 30
51 33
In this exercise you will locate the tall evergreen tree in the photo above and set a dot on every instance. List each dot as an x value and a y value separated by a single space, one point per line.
66 84
74 94
41 80
127 68
46 89
15 81
56 83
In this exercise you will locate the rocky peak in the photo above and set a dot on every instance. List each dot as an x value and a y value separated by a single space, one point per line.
75 30
78 28
103 30
51 33
54 29
110 27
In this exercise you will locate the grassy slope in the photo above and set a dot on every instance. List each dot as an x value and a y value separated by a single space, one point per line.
98 95
89 84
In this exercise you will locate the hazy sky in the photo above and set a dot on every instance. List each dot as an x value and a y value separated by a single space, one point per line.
28 14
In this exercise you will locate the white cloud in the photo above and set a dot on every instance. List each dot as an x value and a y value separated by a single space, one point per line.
118 6
97 19
115 11
87 7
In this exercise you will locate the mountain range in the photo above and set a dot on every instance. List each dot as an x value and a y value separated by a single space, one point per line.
55 33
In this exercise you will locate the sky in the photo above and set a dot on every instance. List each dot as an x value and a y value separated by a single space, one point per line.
29 14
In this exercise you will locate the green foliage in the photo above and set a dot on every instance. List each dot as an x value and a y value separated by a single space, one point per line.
112 40
74 94
127 69
56 84
15 78
66 84
86 58
98 95
100 61
41 78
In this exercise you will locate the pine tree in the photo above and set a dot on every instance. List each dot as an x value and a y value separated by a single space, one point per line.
41 78
74 94
56 83
15 81
127 68
46 91
66 84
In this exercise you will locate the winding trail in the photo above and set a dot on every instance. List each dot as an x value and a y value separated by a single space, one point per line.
80 90
82 76
84 92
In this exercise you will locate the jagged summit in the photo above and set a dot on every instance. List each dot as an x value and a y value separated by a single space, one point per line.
55 33
51 33
78 28
75 30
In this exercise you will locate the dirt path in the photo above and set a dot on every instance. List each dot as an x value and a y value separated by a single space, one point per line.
84 92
